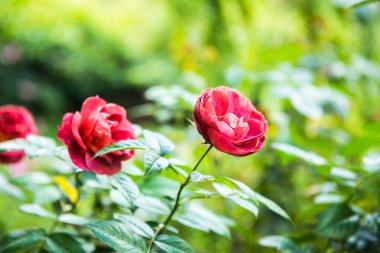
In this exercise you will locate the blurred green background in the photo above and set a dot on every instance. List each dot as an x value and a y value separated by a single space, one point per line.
311 66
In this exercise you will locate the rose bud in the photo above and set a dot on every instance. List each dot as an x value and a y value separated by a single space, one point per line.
97 125
229 121
15 122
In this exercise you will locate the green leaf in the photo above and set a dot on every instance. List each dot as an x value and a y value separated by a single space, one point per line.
310 157
172 244
37 210
126 187
152 204
132 169
361 3
118 237
198 217
73 219
21 240
338 222
153 162
135 224
334 214
158 142
182 174
237 196
197 177
63 243
159 186
46 194
342 229
271 205
32 179
282 244
7 188
33 145
121 145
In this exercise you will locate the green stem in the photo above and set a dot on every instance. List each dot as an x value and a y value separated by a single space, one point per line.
162 226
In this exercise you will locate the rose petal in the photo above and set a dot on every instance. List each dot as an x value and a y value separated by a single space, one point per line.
64 131
77 155
220 102
91 105
75 128
101 166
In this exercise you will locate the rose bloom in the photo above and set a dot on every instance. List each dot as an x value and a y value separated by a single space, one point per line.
15 122
97 125
229 121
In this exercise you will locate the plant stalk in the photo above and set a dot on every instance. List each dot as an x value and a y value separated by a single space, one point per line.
162 226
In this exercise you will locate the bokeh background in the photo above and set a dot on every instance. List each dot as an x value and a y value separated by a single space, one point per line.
311 66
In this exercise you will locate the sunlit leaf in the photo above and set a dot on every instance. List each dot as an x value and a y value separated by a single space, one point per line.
197 177
36 210
271 205
154 163
237 197
126 187
7 188
282 244
121 145
198 217
135 224
33 145
151 204
158 142
118 236
172 244
73 219
300 153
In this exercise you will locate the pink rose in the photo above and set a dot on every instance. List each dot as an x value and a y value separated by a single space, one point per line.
229 121
15 122
97 125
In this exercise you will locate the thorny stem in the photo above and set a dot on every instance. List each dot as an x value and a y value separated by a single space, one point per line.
162 226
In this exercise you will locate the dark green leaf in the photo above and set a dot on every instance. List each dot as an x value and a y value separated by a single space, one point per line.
334 214
118 237
63 243
121 145
21 240
153 162
158 142
135 224
172 244
342 229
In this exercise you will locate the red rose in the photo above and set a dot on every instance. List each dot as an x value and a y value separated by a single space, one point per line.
15 122
229 121
97 125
